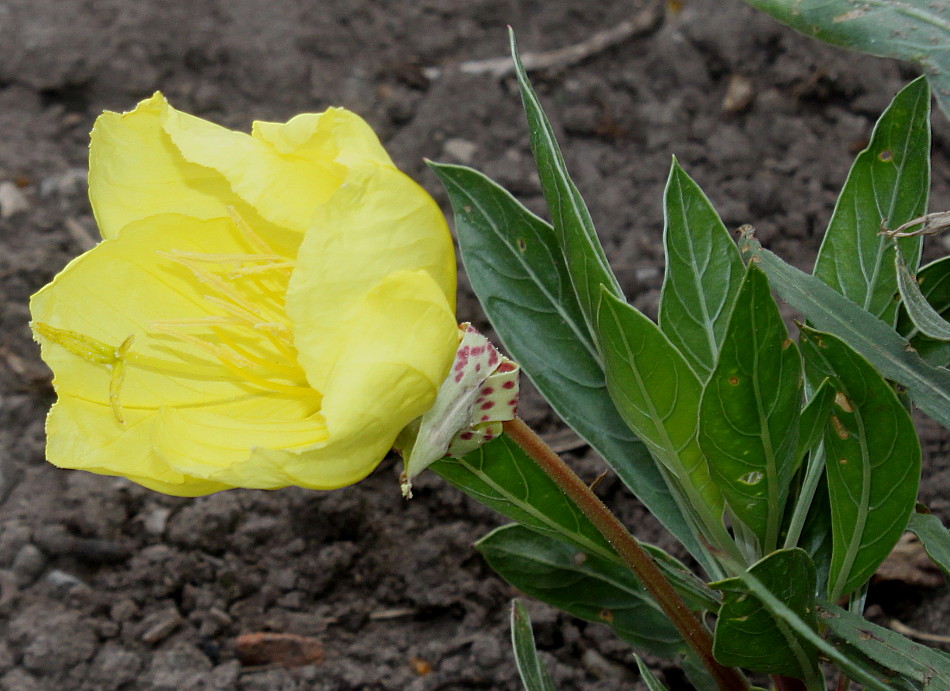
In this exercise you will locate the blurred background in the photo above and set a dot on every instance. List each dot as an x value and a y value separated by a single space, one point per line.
105 585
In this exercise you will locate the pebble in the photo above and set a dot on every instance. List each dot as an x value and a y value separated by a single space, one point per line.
64 581
155 520
462 150
28 564
72 181
159 626
12 200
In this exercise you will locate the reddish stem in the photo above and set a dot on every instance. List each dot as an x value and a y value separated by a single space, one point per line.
629 549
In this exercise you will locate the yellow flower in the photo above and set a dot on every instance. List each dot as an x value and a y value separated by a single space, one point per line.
264 310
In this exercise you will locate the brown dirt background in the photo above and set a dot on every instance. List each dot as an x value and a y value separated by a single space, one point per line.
104 585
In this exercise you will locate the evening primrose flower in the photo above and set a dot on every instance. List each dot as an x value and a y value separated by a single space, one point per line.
264 310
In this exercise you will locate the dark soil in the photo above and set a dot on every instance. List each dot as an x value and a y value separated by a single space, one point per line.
105 585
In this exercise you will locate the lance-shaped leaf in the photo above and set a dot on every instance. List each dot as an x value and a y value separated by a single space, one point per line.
872 461
926 319
814 417
583 253
531 669
703 273
656 392
858 638
887 186
516 269
915 30
935 538
589 588
749 415
880 344
748 635
646 676
933 281
501 476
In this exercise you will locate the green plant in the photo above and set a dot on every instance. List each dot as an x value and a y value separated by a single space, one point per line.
788 471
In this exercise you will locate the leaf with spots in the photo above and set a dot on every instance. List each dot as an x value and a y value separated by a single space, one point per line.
872 461
583 585
914 30
502 477
516 268
749 635
888 186
703 273
749 415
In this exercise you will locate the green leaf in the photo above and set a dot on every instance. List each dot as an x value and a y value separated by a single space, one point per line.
502 477
586 261
517 271
586 587
888 185
926 319
813 419
856 668
703 273
749 415
647 677
934 283
934 537
748 635
914 30
858 638
656 392
880 344
872 461
533 674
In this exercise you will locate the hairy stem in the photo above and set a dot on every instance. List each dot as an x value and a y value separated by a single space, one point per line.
629 549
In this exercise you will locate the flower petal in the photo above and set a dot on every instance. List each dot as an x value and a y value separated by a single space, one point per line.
285 171
118 290
135 171
83 436
391 362
378 223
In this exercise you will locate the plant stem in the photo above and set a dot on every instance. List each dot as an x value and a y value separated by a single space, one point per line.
629 549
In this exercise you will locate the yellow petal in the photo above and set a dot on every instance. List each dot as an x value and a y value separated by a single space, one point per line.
120 289
392 359
378 223
205 443
83 436
135 171
284 171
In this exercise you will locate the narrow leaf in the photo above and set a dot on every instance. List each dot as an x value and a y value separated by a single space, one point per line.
534 676
749 415
934 283
887 186
857 637
586 261
814 418
748 635
648 678
703 273
656 392
517 271
502 477
589 588
925 318
872 461
880 344
914 30
935 538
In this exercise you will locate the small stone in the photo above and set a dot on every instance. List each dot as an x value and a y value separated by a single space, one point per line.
155 520
28 564
72 181
225 676
114 666
739 93
123 610
64 581
12 200
160 625
462 150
